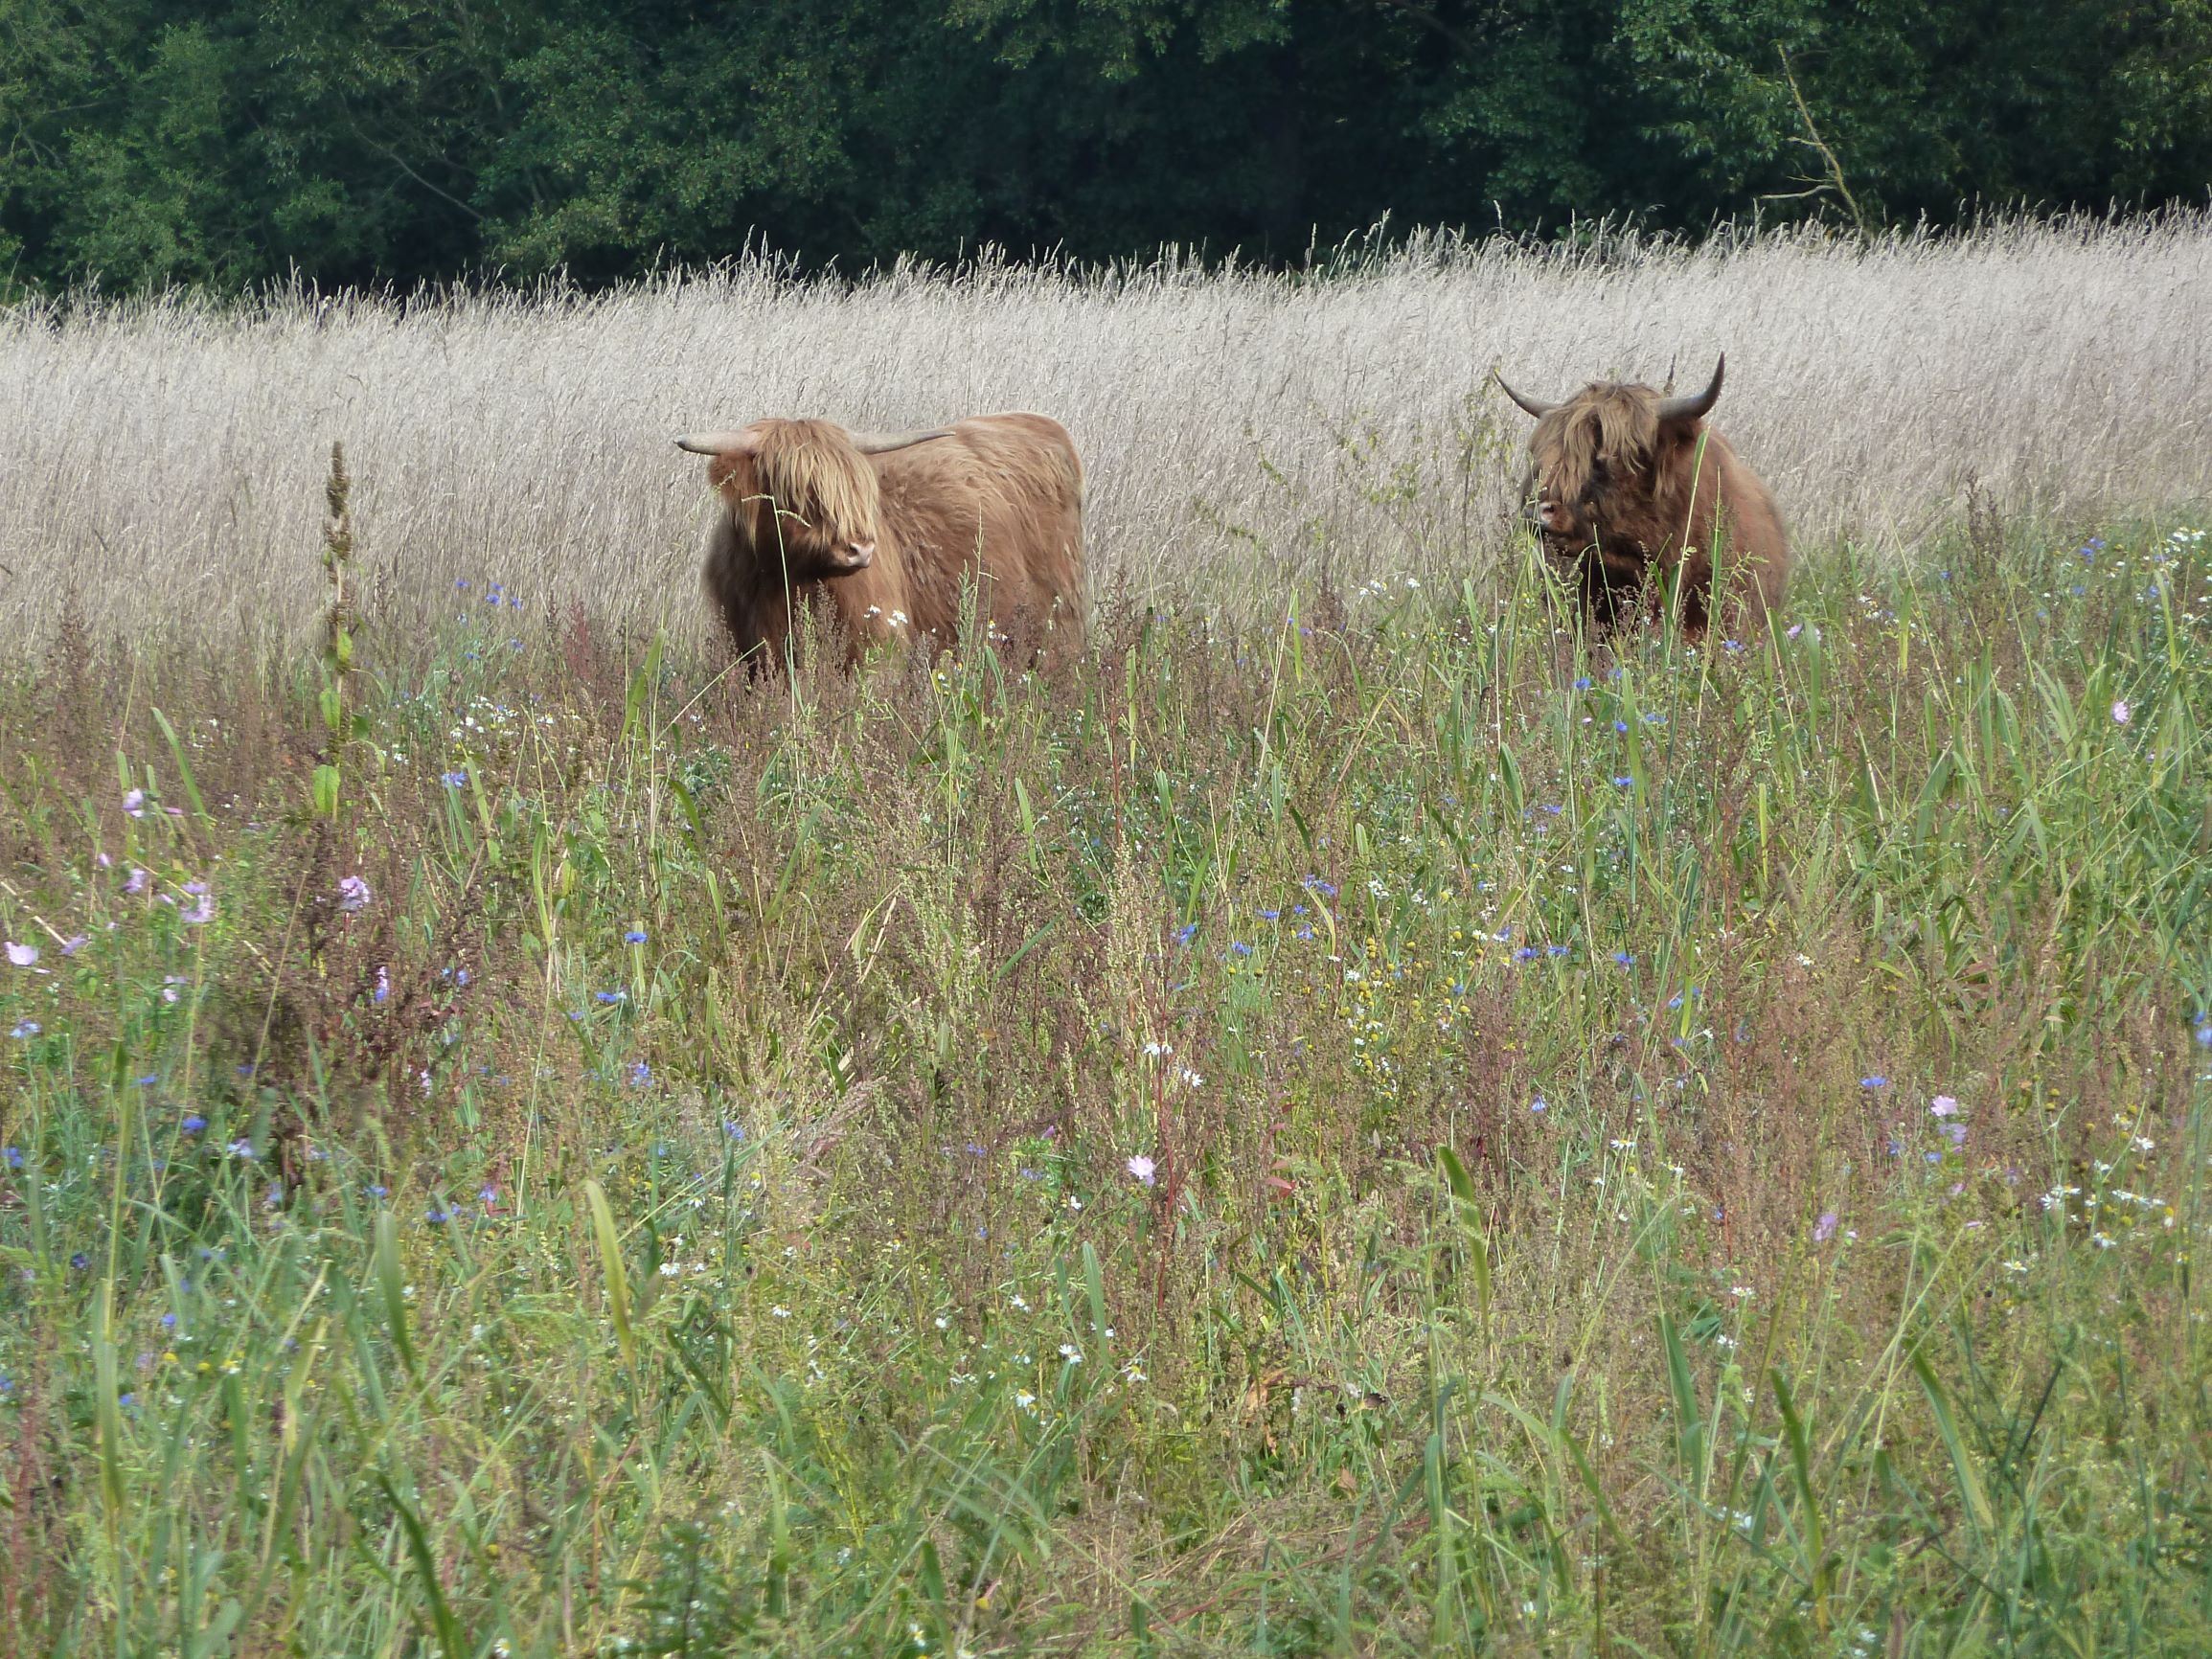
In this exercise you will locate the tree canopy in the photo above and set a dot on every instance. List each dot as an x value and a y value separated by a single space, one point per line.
230 142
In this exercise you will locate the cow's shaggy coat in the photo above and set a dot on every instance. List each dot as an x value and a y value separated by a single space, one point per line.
881 534
1630 486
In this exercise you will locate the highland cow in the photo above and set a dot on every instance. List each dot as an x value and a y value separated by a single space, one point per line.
882 534
1628 485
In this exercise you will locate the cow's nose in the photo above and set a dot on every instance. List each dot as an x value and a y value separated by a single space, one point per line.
1547 514
863 552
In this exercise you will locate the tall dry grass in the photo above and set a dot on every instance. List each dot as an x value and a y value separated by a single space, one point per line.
162 458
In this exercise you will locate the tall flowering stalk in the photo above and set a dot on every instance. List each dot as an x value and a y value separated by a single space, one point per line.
337 630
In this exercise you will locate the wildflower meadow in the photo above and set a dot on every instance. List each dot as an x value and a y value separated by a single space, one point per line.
1371 1123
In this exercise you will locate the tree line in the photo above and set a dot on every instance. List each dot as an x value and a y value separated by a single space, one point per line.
226 142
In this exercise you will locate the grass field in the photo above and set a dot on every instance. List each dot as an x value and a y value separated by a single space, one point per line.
1245 433
1369 1133
1343 1123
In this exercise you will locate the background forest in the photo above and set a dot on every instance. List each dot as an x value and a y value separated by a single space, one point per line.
227 142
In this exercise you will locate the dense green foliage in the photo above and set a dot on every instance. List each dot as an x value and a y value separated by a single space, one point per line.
1384 1134
224 141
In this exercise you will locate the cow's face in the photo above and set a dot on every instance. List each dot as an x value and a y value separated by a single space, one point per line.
1595 462
805 498
1568 507
1592 480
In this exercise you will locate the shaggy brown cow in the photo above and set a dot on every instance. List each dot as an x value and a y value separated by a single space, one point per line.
882 531
1628 482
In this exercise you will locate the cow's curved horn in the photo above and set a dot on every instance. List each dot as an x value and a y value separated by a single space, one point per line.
1692 407
878 442
745 442
1535 407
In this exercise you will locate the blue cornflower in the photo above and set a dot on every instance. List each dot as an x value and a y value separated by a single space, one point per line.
640 1074
732 1128
462 585
610 995
434 1215
192 1123
1582 684
1731 645
635 936
1527 953
378 1189
1558 950
1184 933
2204 1034
453 780
1875 1082
1623 959
1270 915
24 1029
1620 725
1238 948
169 1322
1536 1105
13 1155
1623 783
81 1261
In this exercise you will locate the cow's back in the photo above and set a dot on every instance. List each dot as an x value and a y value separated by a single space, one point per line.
1000 499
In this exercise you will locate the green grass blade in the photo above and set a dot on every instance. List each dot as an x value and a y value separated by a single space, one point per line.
442 1621
1970 1487
609 1244
392 1287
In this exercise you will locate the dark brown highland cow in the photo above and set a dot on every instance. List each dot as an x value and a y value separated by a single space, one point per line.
1630 484
881 532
